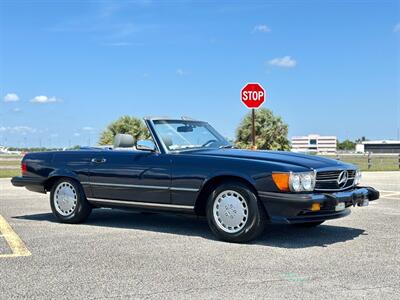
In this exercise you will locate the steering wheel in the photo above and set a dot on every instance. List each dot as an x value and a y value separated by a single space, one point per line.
209 142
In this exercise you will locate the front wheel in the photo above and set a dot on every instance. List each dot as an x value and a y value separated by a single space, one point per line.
68 201
234 213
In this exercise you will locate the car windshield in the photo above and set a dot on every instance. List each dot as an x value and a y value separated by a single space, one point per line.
182 134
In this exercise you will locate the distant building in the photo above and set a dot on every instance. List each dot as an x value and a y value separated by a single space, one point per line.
314 143
383 146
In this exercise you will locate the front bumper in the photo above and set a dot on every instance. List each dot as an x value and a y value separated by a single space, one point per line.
296 208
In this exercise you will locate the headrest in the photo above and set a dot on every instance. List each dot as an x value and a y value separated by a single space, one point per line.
123 141
167 140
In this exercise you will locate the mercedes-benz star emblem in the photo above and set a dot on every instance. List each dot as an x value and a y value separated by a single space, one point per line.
342 178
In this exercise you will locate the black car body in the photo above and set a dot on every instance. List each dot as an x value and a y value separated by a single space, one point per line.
161 177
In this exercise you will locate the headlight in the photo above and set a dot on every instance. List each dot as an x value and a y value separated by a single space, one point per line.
357 177
302 182
307 181
294 182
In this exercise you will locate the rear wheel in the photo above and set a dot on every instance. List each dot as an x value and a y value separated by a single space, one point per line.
234 213
308 224
68 201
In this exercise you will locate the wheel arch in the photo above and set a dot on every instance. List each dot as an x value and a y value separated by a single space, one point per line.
56 175
212 183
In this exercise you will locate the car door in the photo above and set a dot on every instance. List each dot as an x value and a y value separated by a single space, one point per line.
131 176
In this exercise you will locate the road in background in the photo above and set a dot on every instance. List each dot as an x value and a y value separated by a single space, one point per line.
119 254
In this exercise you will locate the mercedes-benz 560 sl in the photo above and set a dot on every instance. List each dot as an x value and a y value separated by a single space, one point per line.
188 167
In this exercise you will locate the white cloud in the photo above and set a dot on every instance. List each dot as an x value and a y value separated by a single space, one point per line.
261 28
18 129
87 128
396 28
44 99
181 72
77 134
16 109
283 62
11 97
54 135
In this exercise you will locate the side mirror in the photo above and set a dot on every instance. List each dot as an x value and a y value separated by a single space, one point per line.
146 145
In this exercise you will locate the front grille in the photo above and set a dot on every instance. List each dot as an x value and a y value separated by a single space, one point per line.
328 180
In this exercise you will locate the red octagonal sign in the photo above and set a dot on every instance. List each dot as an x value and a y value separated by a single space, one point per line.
253 95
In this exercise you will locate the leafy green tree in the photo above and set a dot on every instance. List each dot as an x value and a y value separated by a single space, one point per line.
125 124
346 145
271 131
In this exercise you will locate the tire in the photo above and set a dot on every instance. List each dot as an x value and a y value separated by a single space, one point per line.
68 201
308 224
233 203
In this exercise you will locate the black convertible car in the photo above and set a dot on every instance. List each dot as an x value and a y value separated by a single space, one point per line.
189 167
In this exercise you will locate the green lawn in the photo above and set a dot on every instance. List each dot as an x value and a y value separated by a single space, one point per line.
378 162
10 163
9 173
11 156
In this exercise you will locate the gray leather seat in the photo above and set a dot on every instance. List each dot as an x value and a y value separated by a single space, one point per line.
124 141
167 141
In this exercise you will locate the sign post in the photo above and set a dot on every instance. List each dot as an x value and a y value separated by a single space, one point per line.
253 129
253 96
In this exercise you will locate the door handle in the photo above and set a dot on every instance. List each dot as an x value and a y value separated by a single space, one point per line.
98 160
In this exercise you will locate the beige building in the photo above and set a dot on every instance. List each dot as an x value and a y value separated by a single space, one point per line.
314 143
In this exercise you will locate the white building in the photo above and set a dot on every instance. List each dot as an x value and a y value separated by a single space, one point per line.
380 146
314 143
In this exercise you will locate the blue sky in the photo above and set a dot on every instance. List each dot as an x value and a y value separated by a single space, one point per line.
68 68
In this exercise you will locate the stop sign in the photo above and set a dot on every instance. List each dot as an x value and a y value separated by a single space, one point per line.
253 95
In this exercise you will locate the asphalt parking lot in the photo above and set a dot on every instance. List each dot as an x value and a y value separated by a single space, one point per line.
119 254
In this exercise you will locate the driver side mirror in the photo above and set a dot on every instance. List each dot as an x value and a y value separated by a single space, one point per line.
146 145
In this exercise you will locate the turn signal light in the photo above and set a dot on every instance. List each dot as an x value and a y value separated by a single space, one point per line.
281 181
315 207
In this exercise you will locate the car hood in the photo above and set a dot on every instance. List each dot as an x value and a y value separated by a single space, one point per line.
303 160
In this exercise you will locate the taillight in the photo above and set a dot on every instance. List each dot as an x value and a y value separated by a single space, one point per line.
24 168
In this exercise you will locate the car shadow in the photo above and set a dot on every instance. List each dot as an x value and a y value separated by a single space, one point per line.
275 235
